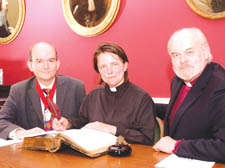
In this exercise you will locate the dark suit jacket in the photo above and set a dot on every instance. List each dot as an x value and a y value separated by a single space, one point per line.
23 106
200 119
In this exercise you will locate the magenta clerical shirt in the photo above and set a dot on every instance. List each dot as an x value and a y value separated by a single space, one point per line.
183 92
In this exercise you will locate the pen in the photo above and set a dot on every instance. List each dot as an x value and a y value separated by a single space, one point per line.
54 109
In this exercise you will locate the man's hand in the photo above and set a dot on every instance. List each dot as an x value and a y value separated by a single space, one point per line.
61 125
101 127
165 144
20 133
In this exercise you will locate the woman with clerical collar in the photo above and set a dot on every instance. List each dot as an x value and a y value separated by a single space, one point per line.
117 106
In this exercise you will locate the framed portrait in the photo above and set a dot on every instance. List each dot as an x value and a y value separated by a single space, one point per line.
90 17
211 9
12 13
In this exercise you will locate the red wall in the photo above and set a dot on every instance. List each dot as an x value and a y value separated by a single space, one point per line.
142 28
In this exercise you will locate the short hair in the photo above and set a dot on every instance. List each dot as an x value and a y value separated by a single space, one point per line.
109 47
30 51
195 33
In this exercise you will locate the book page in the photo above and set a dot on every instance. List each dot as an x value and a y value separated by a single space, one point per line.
89 139
4 142
173 161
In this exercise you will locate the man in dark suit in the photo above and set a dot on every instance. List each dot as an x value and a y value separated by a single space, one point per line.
195 118
26 110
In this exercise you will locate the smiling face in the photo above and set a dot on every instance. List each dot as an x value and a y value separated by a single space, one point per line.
188 54
44 63
111 68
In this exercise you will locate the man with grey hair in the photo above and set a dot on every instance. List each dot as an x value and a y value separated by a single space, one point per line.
27 109
195 117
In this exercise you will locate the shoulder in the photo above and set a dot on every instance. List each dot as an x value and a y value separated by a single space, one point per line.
20 89
95 95
214 76
218 77
139 96
136 89
218 71
69 80
23 84
212 81
97 91
137 93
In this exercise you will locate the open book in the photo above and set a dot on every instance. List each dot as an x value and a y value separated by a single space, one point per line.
90 142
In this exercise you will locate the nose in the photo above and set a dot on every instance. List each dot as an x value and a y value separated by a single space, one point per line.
109 69
45 65
183 58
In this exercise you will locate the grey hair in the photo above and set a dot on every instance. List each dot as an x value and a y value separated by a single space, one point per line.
195 33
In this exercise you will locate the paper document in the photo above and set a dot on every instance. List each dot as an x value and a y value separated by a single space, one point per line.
173 161
43 133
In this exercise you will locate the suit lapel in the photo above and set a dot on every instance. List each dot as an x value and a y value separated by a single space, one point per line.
176 86
35 99
60 92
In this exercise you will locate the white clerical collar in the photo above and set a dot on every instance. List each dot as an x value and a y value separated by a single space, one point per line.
188 84
113 89
46 87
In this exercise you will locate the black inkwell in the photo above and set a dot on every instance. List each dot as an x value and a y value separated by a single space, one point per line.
122 148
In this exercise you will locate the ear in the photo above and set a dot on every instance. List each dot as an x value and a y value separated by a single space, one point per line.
207 53
30 65
125 66
58 64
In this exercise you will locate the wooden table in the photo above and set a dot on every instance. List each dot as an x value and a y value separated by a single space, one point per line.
142 157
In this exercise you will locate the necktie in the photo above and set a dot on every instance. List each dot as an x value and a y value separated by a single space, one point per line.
47 92
48 117
183 92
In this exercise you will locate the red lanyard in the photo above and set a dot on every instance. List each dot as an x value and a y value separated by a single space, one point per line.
41 94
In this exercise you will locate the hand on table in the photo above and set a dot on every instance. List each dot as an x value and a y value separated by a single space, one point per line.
165 144
20 133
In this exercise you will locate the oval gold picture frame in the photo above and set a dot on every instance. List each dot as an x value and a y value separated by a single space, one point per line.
86 31
19 24
204 12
